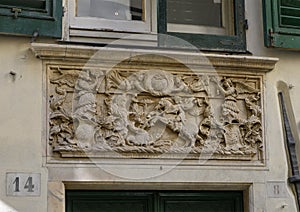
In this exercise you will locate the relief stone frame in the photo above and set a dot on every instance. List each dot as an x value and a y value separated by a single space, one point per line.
154 107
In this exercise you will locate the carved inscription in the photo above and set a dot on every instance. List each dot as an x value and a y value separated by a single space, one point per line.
153 112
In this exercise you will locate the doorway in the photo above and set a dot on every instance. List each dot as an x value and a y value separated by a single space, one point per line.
154 201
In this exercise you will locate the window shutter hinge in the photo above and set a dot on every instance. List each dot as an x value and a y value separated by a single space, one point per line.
246 25
271 33
16 11
271 37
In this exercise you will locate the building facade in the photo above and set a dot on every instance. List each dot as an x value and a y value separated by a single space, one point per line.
147 104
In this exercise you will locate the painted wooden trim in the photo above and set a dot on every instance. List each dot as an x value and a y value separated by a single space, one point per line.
46 23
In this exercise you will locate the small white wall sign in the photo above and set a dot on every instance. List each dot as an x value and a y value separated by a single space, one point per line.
276 189
23 184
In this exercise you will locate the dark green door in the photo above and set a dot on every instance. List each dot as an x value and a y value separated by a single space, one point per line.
154 201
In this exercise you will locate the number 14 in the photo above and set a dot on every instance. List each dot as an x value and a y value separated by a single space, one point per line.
28 185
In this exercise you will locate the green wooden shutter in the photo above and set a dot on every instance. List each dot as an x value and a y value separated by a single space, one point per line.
282 23
24 17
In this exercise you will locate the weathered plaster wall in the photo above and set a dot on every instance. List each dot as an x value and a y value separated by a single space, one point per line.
287 69
21 127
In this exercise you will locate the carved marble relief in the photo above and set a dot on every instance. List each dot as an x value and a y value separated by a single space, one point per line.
153 112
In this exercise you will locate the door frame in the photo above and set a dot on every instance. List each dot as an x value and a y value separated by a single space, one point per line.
57 190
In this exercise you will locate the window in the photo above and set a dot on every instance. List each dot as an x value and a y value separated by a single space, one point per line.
282 23
111 15
27 17
217 25
208 24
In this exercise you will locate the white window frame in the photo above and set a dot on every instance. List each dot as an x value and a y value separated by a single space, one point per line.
136 33
94 23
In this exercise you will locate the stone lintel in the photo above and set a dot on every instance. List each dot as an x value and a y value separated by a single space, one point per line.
77 53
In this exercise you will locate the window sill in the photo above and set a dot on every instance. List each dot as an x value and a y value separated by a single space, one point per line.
219 61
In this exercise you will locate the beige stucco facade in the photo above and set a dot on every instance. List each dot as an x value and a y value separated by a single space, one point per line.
24 131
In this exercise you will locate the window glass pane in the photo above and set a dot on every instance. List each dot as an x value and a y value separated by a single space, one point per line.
195 12
36 4
111 9
199 16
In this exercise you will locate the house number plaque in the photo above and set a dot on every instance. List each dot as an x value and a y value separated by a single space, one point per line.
23 184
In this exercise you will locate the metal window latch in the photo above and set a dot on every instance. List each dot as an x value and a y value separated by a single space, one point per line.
16 11
34 36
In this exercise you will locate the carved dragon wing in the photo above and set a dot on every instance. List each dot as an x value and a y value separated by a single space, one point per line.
65 78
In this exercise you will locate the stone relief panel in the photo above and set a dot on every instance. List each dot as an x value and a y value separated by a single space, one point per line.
150 113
